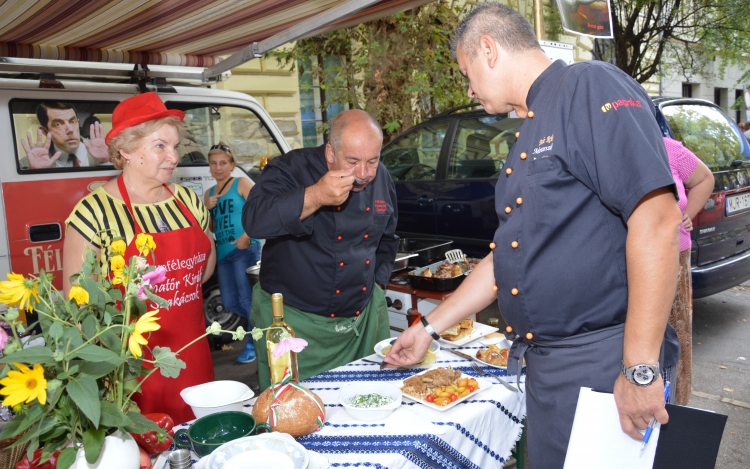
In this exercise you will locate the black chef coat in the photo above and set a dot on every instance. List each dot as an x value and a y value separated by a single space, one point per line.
580 165
328 263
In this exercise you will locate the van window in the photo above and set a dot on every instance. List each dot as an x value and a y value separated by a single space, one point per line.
244 131
55 136
481 146
415 155
707 132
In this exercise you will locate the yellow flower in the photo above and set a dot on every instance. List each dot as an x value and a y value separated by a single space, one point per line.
117 246
25 385
17 291
117 263
146 323
118 277
79 294
144 243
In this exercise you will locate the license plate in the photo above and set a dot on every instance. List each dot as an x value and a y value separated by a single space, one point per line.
738 203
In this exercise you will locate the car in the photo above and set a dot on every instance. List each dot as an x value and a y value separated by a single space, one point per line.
445 171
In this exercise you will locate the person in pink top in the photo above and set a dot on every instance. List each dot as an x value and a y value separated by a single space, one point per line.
689 173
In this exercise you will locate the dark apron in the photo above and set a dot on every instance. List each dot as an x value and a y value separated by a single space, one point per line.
332 342
555 372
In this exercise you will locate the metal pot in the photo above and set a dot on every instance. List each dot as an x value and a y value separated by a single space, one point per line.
253 274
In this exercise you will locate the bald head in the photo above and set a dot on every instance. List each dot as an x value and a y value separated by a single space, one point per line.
354 123
354 146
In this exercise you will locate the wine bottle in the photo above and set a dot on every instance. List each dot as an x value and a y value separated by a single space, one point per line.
274 336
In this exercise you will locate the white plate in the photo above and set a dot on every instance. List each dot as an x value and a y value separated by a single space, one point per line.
480 330
276 442
483 384
504 343
260 459
434 346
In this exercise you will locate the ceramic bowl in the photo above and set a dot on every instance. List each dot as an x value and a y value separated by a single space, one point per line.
366 387
383 344
209 432
216 396
254 451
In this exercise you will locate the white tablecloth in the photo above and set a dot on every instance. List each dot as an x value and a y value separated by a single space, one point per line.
477 433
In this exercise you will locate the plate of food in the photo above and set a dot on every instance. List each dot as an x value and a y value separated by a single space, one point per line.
465 332
494 355
442 388
384 346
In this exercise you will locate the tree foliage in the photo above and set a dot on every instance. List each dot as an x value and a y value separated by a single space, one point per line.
398 68
685 36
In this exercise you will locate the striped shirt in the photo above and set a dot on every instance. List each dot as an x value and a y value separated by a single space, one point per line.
100 217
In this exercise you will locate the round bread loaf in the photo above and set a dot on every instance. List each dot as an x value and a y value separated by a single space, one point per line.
297 414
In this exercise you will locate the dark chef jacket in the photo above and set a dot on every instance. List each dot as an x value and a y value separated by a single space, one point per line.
580 165
328 263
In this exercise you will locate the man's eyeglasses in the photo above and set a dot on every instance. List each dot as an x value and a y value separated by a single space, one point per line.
220 147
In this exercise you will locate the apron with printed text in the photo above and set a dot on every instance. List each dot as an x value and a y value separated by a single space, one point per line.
183 253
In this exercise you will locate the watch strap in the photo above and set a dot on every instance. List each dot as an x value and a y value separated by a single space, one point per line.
429 329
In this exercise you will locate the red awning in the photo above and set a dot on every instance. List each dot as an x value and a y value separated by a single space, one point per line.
163 32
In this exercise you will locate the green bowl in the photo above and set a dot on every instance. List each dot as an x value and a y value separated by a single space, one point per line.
209 432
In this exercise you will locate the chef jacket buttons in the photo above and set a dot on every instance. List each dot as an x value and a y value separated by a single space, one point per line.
357 313
364 288
338 209
366 236
518 134
509 171
493 245
367 209
514 244
519 201
529 336
367 262
341 264
514 292
524 155
339 237
508 209
494 287
333 315
508 329
338 292
530 114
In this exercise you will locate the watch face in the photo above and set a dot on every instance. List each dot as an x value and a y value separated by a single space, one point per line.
643 375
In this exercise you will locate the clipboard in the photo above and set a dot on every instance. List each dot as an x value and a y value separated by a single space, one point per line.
690 439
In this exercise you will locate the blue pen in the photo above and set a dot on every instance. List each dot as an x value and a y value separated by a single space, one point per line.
650 428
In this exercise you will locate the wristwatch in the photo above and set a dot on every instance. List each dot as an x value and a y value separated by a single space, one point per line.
429 328
641 375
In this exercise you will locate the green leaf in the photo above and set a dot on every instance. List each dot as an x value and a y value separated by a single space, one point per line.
93 441
67 458
112 417
30 355
156 299
85 394
55 330
22 421
141 424
88 326
110 339
167 362
51 445
72 336
115 294
97 369
94 353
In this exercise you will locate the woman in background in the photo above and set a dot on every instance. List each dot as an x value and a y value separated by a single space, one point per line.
689 172
235 250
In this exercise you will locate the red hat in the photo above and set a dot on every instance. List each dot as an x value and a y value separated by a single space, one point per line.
137 110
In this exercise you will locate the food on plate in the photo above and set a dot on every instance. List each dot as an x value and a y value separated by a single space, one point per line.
429 357
444 270
298 413
369 401
459 331
472 263
494 355
440 386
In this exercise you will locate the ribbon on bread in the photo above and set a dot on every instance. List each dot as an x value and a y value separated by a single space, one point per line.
283 386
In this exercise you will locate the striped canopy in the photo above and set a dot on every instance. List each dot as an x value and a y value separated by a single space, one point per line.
158 32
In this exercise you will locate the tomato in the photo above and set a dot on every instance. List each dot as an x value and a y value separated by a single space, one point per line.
453 396
430 398
472 389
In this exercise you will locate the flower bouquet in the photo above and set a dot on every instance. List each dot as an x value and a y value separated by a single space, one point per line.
77 388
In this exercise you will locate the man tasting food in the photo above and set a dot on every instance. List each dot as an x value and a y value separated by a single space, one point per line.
576 190
328 215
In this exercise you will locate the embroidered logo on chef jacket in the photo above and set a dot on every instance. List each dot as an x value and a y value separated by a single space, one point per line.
380 206
615 105
540 149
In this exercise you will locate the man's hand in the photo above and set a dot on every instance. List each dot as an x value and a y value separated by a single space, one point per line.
242 242
38 153
96 146
637 404
410 347
332 189
211 201
687 223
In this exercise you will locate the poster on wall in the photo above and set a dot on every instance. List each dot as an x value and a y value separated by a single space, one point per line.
587 17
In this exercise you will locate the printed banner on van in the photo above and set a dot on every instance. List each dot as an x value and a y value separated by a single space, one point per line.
587 17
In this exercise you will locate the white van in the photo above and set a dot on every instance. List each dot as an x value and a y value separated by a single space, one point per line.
36 201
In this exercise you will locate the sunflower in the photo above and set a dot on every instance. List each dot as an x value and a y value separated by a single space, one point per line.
117 247
17 291
79 294
146 323
144 243
24 386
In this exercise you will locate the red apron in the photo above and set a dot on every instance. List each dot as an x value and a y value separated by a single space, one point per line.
183 253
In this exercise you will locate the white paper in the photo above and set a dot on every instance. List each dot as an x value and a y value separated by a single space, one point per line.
597 440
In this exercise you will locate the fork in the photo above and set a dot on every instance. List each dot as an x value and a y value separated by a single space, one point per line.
482 372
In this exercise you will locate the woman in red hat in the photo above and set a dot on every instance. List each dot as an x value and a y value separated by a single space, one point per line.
143 143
